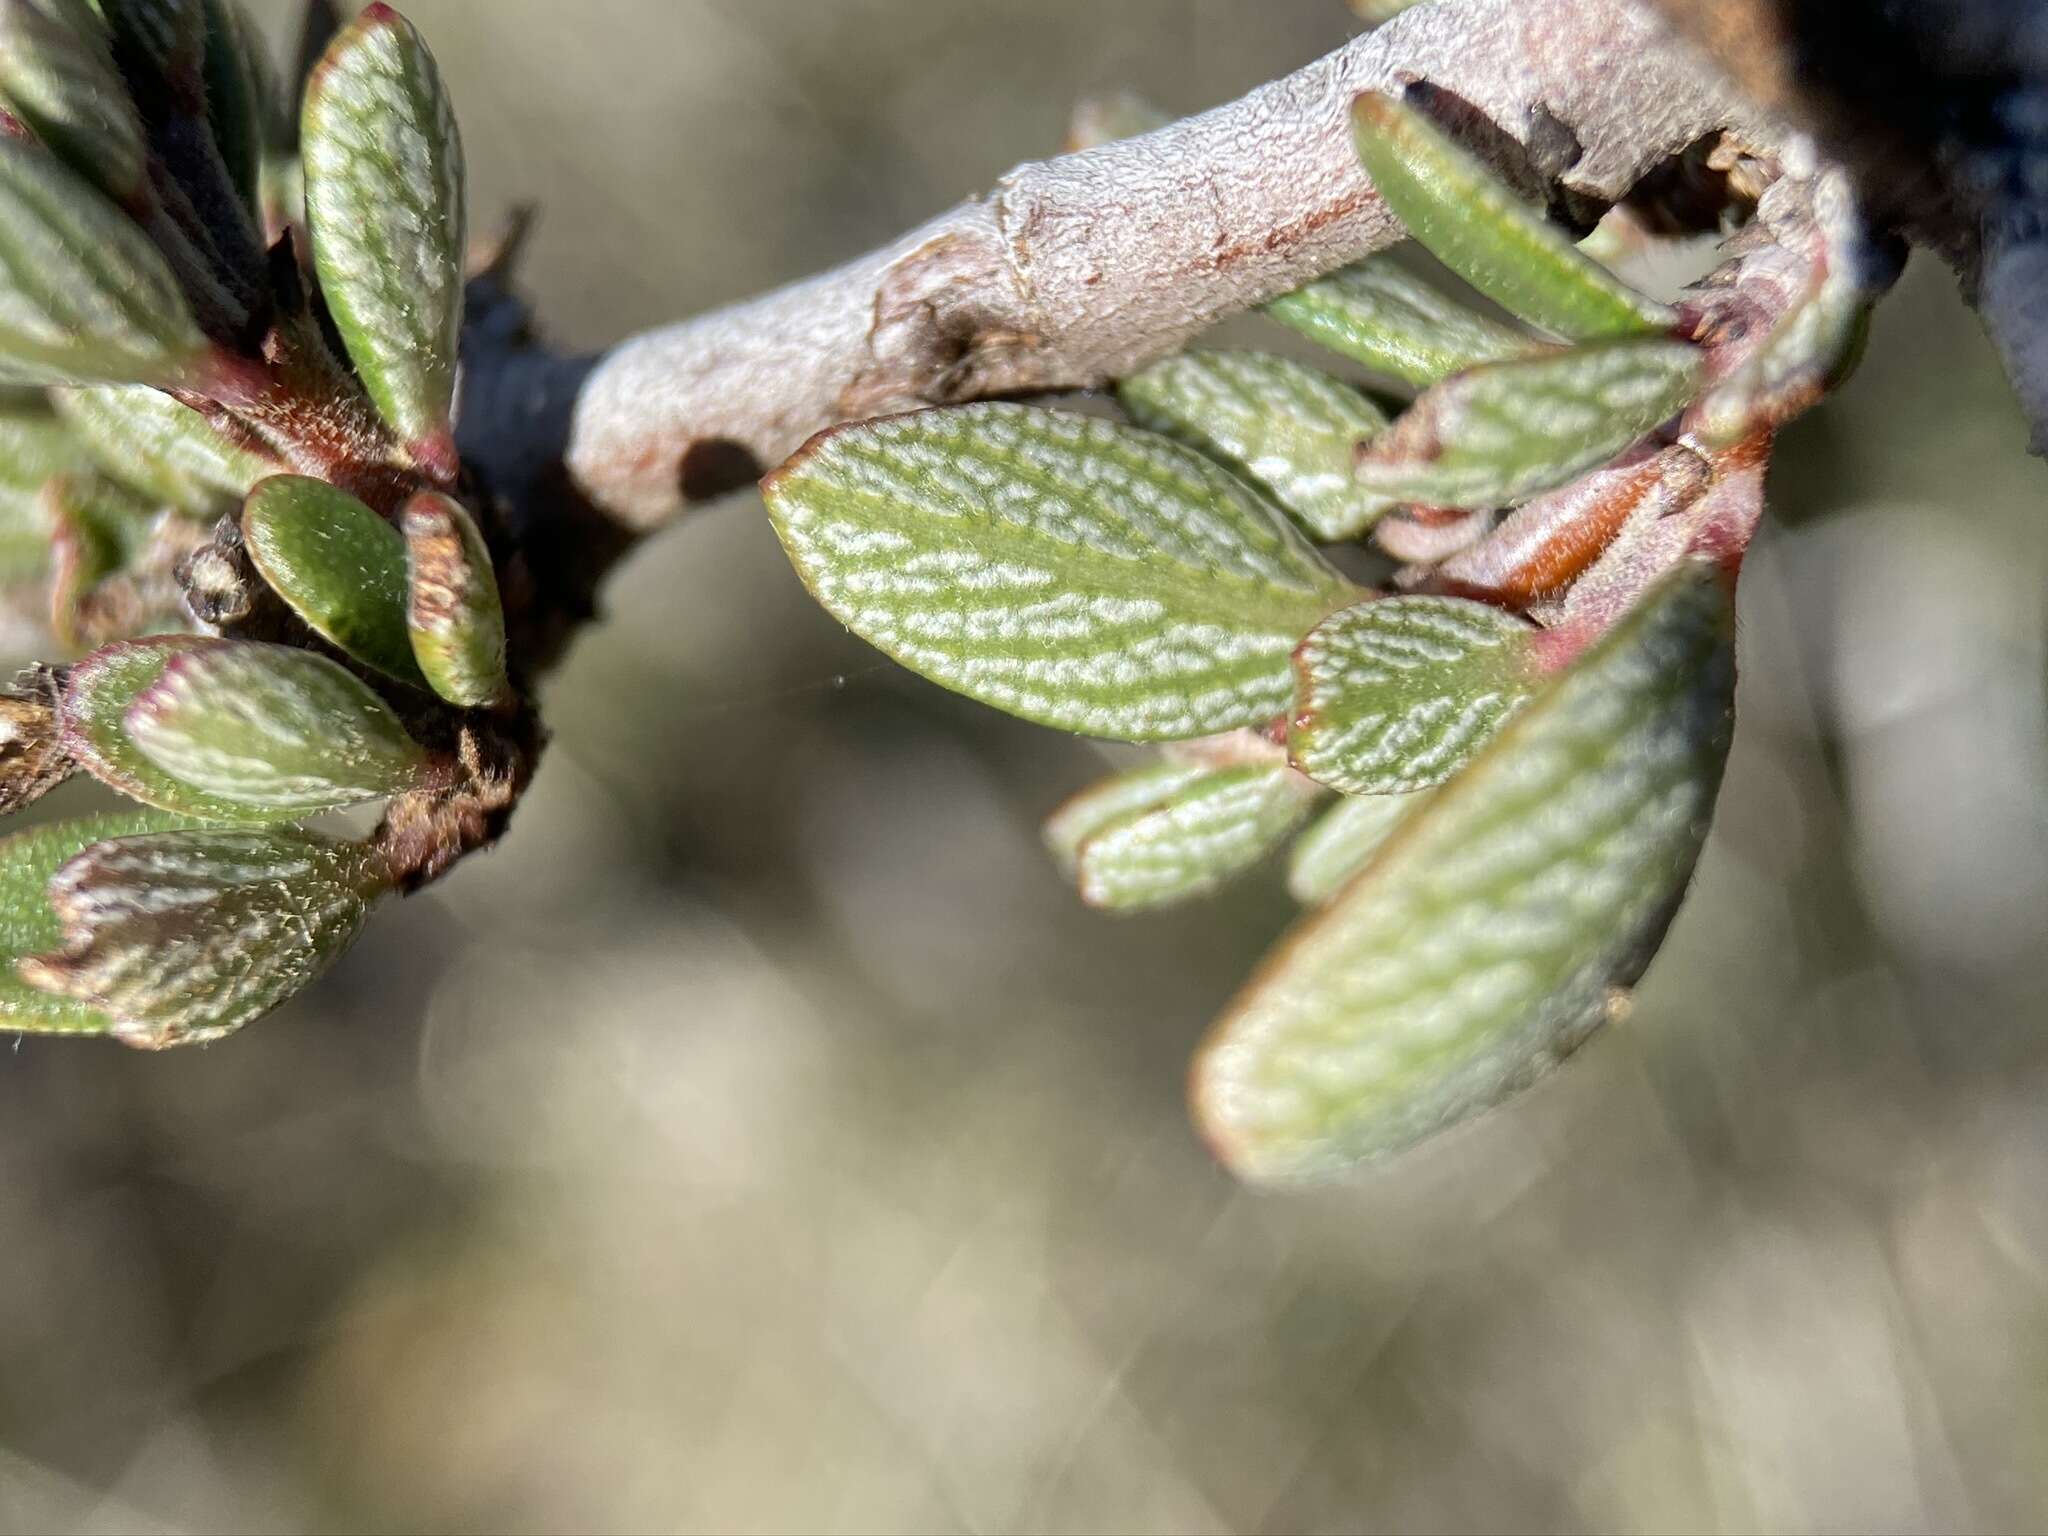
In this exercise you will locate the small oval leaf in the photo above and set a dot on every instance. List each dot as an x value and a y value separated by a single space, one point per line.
1339 843
161 447
1455 207
1485 942
1188 838
97 693
384 196
29 924
1071 571
182 937
272 727
337 564
1395 694
57 75
452 608
1289 429
84 297
1380 314
1497 434
1083 815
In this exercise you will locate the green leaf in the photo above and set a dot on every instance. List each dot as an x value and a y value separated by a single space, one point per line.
1497 434
1071 571
384 196
1487 941
84 297
1379 314
1082 816
452 608
161 447
1340 842
337 564
57 75
1287 428
1396 693
237 77
97 694
182 937
1455 207
1166 838
29 924
273 727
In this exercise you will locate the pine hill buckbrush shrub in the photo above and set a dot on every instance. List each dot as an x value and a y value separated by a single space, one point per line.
229 340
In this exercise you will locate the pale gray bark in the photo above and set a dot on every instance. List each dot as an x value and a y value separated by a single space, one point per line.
1074 270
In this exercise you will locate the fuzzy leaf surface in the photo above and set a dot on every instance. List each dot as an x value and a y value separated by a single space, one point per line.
453 612
29 924
1487 938
1187 838
384 196
1500 433
272 727
1396 694
97 694
84 297
1083 815
161 447
1075 572
57 75
182 937
1456 208
1338 843
1289 429
338 565
1380 314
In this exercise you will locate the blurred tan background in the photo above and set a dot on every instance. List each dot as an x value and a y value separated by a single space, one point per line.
763 1139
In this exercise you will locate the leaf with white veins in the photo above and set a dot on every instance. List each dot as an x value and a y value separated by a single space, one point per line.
57 75
183 937
384 196
1380 314
161 447
1497 434
1067 570
1490 935
29 924
1395 694
1169 837
273 727
1289 429
84 297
